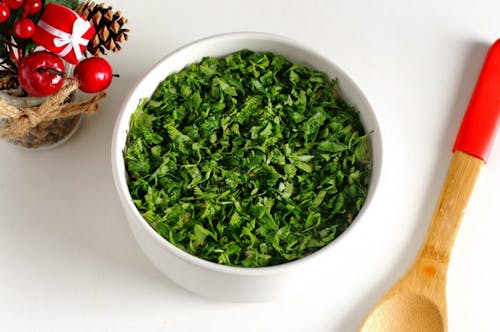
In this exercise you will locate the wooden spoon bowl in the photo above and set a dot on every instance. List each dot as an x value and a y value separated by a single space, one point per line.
418 301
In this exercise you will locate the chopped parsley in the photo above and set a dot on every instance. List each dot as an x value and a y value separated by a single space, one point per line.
247 160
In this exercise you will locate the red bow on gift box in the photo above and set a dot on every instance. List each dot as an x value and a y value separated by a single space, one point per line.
64 32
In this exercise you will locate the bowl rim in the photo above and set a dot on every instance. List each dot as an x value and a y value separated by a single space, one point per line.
126 199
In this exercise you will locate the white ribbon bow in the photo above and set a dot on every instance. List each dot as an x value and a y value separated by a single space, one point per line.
71 40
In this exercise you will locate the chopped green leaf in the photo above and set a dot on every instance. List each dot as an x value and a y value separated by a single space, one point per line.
247 160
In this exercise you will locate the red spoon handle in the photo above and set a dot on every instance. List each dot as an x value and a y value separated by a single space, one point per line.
481 120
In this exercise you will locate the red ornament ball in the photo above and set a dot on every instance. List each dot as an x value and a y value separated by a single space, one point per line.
24 28
41 73
4 12
93 74
14 4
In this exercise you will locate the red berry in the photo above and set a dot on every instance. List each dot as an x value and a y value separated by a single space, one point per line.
41 73
24 28
32 7
14 4
4 12
93 74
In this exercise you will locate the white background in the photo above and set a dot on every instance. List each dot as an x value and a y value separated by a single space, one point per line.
68 261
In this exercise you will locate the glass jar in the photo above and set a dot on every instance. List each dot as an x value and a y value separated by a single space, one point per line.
47 134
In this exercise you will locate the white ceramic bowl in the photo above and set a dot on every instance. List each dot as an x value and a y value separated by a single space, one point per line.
203 277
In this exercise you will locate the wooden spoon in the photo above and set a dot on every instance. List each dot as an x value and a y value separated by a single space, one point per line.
417 303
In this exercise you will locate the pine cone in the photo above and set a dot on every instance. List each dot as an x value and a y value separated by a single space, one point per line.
8 81
108 25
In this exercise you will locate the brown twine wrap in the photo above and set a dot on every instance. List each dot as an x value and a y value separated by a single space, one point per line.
18 121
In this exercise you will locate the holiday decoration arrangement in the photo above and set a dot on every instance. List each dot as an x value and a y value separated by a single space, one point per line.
48 50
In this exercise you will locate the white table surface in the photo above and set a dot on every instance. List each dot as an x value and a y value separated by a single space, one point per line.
68 261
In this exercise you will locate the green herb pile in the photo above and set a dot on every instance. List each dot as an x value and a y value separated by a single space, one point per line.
247 160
